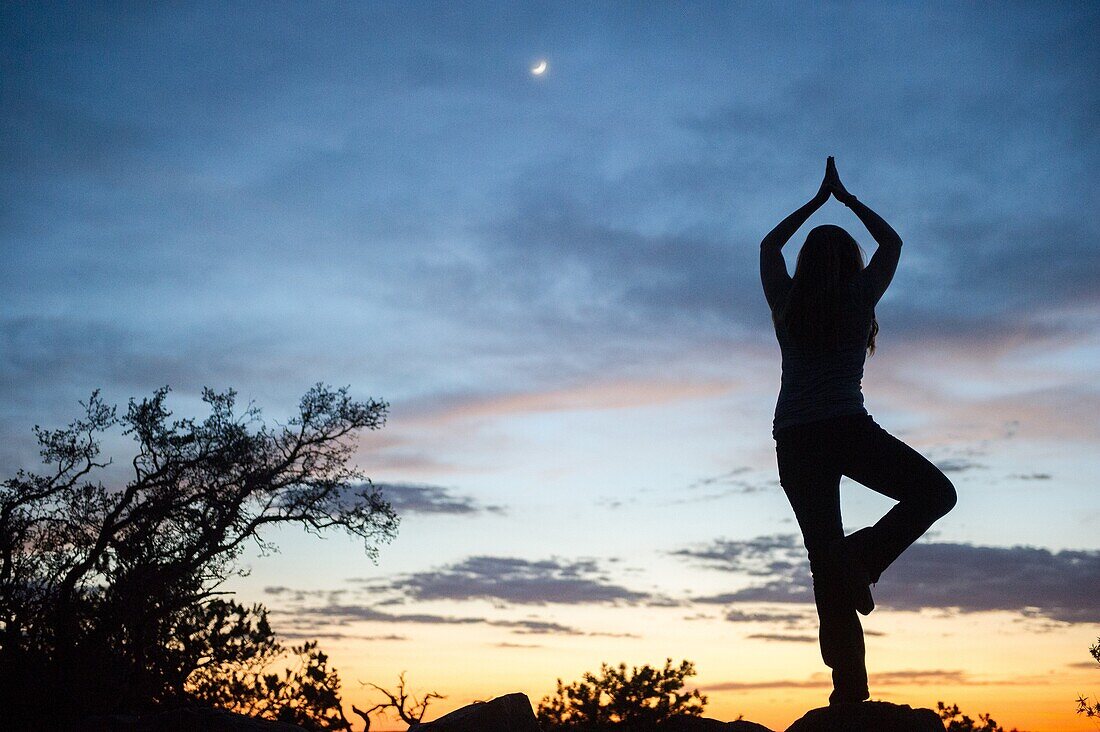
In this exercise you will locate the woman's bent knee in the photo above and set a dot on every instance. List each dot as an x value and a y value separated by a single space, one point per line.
943 497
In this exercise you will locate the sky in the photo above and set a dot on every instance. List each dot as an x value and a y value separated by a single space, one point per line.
553 281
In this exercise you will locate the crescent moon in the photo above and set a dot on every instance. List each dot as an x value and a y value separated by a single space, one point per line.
540 68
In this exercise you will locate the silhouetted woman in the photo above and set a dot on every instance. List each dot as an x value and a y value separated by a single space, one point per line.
824 320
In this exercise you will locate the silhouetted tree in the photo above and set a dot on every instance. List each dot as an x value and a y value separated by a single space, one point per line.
1085 705
412 715
109 592
959 722
637 700
306 694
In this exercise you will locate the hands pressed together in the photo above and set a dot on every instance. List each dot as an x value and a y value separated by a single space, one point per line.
831 185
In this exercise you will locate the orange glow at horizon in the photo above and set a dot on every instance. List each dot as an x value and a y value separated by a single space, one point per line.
957 659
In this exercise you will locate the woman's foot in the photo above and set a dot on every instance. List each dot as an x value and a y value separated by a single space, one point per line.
849 696
849 685
856 577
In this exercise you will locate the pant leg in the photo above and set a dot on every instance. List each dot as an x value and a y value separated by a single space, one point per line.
810 478
887 465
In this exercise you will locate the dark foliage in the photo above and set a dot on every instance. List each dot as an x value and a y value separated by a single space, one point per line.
959 722
109 596
237 650
616 699
1087 706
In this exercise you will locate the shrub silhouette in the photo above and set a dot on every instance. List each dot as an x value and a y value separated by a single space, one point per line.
636 701
1086 706
306 694
108 594
959 722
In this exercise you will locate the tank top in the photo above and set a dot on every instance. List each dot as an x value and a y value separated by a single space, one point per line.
822 383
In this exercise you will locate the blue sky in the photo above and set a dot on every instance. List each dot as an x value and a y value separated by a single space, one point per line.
554 280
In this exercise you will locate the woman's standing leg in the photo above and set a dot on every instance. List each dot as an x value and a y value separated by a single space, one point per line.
887 465
810 477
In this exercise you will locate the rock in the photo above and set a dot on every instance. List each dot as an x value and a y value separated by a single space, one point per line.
508 713
705 724
872 716
512 713
742 725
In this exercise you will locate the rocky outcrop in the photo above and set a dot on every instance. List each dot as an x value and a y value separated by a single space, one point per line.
868 717
513 713
508 713
705 724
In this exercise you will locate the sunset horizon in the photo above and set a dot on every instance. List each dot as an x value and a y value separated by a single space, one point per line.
533 234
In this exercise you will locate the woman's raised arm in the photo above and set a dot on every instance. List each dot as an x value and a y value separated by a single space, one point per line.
884 262
880 270
773 269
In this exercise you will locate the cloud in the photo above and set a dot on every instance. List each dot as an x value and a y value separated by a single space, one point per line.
431 499
516 580
217 241
780 558
779 590
506 644
536 627
600 244
495 579
1056 585
811 683
289 594
608 634
730 476
904 677
589 395
783 638
347 612
910 677
344 613
740 616
958 465
318 621
1034 582
294 634
731 483
1064 410
554 242
760 556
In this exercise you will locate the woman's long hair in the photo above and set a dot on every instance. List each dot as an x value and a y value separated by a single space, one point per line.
829 261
